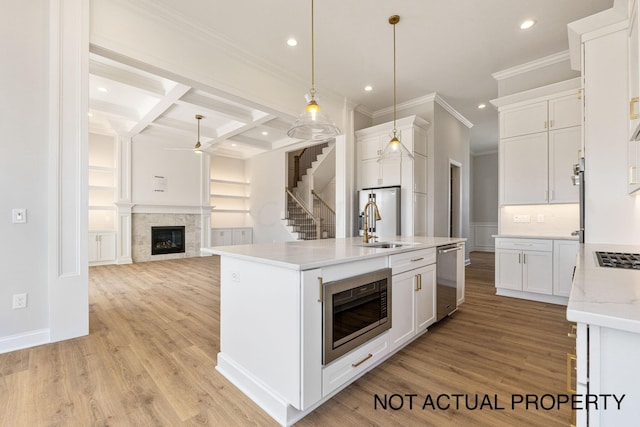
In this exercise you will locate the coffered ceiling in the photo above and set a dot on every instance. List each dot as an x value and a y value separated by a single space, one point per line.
443 46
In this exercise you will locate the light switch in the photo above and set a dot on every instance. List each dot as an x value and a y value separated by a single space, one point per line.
19 215
540 217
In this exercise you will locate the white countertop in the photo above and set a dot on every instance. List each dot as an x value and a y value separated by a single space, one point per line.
538 236
309 254
608 297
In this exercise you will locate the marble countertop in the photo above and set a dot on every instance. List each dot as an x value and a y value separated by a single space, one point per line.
309 254
608 297
538 236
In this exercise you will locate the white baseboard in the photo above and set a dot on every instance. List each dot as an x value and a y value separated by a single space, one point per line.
552 299
24 340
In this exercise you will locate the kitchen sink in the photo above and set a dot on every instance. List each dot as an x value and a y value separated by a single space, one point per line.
384 245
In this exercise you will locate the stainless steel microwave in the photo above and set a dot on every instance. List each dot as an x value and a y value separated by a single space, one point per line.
356 309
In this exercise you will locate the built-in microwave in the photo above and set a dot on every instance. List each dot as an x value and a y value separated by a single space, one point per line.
356 310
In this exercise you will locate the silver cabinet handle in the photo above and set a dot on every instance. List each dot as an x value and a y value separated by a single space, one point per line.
417 259
519 258
320 294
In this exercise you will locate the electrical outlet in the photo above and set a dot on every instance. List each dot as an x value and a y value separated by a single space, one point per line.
540 217
235 276
19 215
19 301
521 218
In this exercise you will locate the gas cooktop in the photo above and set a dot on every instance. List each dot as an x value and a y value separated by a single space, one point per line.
618 260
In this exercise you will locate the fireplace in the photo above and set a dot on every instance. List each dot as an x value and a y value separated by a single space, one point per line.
167 240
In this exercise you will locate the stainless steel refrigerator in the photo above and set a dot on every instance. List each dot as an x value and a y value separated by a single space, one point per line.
388 201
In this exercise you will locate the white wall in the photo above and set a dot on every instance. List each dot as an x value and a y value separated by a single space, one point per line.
43 169
484 193
151 157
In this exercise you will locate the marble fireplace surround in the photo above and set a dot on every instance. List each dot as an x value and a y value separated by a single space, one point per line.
141 224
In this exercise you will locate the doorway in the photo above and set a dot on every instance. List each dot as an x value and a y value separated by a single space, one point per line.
455 198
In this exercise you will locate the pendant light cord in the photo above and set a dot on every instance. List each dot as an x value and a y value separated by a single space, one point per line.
313 84
394 79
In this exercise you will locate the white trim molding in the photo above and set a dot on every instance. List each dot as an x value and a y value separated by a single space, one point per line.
531 66
481 236
24 340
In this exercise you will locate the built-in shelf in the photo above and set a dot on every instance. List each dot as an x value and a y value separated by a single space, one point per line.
226 181
230 210
102 207
101 187
229 196
101 168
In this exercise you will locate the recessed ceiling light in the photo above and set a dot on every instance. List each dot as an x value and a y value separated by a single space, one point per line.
265 133
103 89
481 106
368 88
292 42
90 114
233 144
527 24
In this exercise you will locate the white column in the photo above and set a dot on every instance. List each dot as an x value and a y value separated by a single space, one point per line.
123 200
205 201
68 170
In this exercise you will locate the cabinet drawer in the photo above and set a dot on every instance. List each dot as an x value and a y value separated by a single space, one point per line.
409 260
525 244
351 365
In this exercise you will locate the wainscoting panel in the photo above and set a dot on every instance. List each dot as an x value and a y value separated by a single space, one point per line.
481 233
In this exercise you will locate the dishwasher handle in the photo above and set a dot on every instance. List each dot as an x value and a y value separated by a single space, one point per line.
450 249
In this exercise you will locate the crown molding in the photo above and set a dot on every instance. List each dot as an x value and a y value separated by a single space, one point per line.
364 110
533 65
432 97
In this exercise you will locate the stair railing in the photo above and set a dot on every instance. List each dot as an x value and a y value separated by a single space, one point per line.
310 224
328 216
304 159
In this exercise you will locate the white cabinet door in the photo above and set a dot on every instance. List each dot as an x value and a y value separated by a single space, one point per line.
403 320
391 171
370 173
524 170
537 272
222 237
242 236
425 298
419 173
107 243
565 111
420 214
370 148
508 269
564 147
564 261
94 250
523 120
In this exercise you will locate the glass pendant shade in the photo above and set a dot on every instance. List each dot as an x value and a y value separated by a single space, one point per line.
394 149
312 124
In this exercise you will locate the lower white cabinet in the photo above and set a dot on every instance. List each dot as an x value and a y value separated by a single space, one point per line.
535 268
413 302
102 246
231 236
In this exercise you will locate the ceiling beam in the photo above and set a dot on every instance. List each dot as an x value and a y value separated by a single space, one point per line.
222 108
144 84
256 123
162 106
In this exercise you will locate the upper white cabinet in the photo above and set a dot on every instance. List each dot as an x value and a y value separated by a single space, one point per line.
540 141
412 175
633 158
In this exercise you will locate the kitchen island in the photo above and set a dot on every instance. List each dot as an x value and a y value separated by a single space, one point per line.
271 315
605 304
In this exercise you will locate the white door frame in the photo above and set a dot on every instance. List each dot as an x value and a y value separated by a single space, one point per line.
458 198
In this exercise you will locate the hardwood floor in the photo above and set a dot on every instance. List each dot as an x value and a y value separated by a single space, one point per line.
151 353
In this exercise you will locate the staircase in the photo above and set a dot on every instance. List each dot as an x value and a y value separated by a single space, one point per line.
316 171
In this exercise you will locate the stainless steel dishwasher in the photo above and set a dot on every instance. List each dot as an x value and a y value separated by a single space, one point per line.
448 262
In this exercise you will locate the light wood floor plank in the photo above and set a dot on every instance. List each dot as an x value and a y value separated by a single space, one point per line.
154 334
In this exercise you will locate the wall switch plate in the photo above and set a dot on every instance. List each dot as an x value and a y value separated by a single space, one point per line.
19 215
540 217
19 301
235 276
522 218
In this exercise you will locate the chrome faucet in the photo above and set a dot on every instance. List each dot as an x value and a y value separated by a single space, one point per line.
365 234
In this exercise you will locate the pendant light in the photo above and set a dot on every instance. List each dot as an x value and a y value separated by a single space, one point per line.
313 124
198 146
395 148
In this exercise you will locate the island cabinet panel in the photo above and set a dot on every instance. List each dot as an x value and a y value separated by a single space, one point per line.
262 333
311 353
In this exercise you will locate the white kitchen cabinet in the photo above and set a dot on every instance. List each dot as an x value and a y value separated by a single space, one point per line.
633 156
523 169
412 175
564 262
536 269
413 306
540 141
524 265
564 152
102 247
231 236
